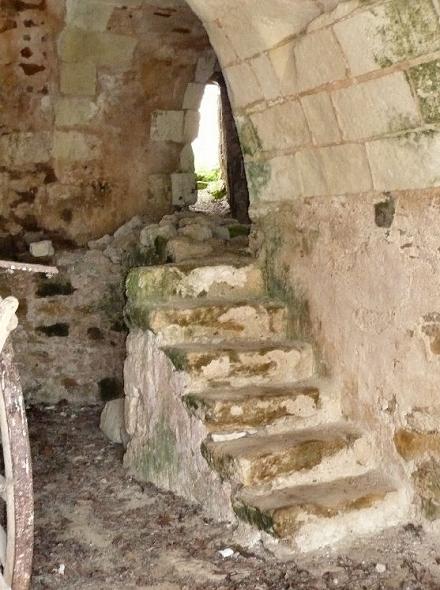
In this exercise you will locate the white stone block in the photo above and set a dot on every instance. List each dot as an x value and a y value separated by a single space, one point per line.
319 60
184 189
284 183
42 249
221 43
205 67
74 146
193 96
266 77
376 107
187 158
334 170
191 128
282 126
91 15
112 420
362 41
167 126
243 85
24 148
321 117
409 161
283 63
70 111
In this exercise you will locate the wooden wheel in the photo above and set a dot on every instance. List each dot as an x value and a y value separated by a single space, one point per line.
16 494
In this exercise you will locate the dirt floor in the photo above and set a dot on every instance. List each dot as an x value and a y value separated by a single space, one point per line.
97 528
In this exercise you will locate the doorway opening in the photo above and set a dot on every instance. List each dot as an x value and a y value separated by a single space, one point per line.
218 159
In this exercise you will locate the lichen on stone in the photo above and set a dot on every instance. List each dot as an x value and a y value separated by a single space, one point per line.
426 82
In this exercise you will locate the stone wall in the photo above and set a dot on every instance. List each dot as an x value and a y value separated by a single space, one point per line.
99 103
338 110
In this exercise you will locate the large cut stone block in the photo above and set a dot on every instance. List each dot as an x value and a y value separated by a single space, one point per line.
193 96
91 15
171 282
376 107
266 76
165 441
78 79
334 170
383 35
23 148
243 365
103 49
74 146
167 126
319 60
406 162
213 322
321 118
184 189
191 125
243 85
74 111
282 126
283 62
284 183
253 461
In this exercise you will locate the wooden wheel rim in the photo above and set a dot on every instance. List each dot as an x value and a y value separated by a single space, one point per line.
16 542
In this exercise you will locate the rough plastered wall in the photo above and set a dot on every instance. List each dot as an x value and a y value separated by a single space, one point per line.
99 101
98 107
339 112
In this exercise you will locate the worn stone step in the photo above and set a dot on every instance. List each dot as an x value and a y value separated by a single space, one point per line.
221 278
242 365
313 516
225 410
215 321
262 460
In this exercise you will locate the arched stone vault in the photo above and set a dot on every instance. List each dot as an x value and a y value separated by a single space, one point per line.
338 109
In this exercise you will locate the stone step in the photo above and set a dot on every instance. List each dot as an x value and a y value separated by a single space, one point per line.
220 278
242 365
268 460
226 410
318 515
215 321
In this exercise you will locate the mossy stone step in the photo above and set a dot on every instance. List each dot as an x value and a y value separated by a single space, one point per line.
215 279
351 501
226 410
243 364
256 460
215 321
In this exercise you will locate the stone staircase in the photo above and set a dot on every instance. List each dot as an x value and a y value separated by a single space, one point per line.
273 431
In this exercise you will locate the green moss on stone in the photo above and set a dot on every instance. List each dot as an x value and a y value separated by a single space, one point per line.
411 29
249 139
160 455
239 230
427 483
426 82
279 286
260 520
178 358
258 175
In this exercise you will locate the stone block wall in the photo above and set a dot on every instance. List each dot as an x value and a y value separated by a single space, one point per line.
337 105
99 102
